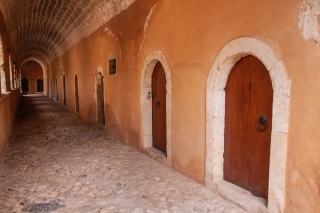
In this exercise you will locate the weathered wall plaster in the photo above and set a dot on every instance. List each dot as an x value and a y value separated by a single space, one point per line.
309 17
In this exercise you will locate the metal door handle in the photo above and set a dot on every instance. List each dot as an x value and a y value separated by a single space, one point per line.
262 123
157 104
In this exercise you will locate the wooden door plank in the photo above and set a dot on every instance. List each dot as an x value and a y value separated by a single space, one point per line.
159 104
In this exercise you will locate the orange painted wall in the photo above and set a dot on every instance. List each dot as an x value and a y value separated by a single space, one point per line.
10 100
190 35
8 107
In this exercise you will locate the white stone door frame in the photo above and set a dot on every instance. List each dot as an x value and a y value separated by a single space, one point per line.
215 114
146 105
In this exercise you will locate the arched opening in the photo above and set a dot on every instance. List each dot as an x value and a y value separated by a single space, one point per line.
154 61
64 91
57 91
51 88
11 73
39 85
100 98
25 85
2 71
216 124
33 71
76 93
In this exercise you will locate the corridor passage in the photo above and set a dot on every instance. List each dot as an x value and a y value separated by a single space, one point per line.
56 162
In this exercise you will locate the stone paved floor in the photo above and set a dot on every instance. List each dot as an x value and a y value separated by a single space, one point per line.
57 162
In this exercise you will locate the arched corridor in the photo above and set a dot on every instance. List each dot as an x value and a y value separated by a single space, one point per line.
57 160
153 75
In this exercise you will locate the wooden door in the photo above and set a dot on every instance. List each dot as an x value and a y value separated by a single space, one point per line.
159 130
76 93
64 91
249 96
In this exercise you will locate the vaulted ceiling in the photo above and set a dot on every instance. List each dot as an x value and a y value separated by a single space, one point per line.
45 29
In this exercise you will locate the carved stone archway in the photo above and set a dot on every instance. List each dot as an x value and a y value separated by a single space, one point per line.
146 105
215 114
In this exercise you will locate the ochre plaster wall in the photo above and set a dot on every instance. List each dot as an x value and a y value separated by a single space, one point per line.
190 35
8 107
10 99
32 71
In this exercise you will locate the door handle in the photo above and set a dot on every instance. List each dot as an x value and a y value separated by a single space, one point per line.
262 123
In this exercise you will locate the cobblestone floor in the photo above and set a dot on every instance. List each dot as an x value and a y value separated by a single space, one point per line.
57 162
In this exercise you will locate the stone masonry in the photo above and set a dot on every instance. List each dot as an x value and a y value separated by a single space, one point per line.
57 162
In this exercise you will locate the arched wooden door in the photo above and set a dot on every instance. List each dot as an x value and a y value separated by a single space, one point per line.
248 123
100 99
159 127
64 91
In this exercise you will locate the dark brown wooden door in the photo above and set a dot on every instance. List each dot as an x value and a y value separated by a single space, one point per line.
249 96
159 130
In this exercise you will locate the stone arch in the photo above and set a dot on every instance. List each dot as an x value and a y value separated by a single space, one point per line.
215 112
44 71
2 71
146 104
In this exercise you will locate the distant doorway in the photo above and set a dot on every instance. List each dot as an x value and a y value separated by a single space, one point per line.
57 91
100 98
76 93
25 85
39 85
64 91
159 133
51 88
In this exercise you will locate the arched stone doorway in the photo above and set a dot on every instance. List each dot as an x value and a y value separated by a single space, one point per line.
25 85
215 126
64 90
57 90
33 71
76 92
146 105
40 85
100 98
